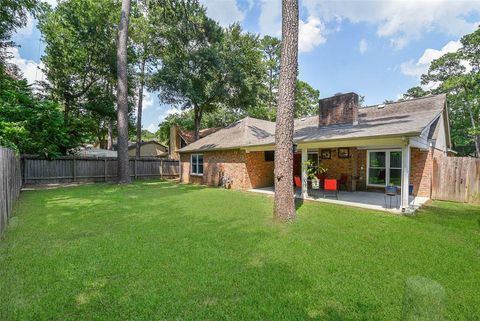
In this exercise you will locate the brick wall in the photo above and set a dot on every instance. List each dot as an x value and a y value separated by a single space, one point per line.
421 170
247 170
250 170
339 109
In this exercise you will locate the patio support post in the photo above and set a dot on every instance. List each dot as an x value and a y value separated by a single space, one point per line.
304 172
405 176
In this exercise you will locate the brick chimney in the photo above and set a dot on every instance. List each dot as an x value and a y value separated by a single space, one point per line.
339 109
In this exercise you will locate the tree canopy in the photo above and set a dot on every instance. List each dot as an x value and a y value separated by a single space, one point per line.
458 75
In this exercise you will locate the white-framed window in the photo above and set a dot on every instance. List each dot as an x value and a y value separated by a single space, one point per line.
384 167
196 164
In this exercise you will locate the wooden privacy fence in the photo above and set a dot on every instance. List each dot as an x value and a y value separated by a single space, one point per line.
10 184
456 179
68 169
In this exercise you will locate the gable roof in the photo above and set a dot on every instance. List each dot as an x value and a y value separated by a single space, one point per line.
405 118
241 133
152 141
189 136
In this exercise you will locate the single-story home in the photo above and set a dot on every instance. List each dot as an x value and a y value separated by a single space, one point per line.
375 146
150 148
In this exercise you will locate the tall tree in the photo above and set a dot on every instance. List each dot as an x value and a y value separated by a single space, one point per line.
458 75
80 64
415 92
204 67
13 15
306 97
284 207
30 124
122 94
141 31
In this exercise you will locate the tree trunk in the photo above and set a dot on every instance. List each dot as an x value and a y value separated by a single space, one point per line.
284 207
198 119
477 145
110 135
122 95
476 137
139 109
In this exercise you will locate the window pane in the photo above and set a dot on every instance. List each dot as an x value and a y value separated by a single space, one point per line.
313 158
200 159
269 156
200 169
377 159
376 176
395 177
194 164
395 159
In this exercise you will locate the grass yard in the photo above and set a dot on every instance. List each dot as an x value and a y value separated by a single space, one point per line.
161 251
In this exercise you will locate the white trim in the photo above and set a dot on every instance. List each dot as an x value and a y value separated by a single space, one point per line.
405 176
304 172
191 165
387 166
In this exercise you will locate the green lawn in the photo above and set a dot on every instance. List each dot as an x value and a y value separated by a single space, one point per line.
161 251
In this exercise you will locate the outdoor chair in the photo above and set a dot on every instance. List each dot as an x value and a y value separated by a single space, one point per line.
391 192
297 181
343 181
331 187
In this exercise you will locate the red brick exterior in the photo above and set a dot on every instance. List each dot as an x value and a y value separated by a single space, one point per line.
339 109
247 170
421 170
250 170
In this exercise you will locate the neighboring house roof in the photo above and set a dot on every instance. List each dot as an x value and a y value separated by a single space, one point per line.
133 145
96 152
405 118
189 136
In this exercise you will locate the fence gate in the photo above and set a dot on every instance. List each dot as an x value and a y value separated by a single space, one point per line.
456 179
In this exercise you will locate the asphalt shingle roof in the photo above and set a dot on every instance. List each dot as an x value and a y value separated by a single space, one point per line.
407 117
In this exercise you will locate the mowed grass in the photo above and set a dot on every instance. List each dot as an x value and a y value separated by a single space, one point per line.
162 251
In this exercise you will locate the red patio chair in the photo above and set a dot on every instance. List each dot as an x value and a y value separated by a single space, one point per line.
297 181
331 187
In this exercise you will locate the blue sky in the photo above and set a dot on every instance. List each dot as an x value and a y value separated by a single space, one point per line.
375 48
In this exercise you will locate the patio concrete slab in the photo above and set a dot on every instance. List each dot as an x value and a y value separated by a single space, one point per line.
368 200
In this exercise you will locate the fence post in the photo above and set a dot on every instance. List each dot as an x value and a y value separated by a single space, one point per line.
74 169
135 168
24 161
105 169
161 168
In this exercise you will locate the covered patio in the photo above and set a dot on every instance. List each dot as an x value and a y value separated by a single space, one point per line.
362 199
362 168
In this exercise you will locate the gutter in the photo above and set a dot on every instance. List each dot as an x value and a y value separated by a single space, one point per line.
410 134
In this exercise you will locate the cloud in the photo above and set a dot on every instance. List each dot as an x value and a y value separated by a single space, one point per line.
148 100
270 20
362 46
31 70
417 68
398 21
225 12
53 3
310 34
152 128
26 30
401 21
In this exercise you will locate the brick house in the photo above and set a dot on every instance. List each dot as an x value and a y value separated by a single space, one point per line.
375 146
